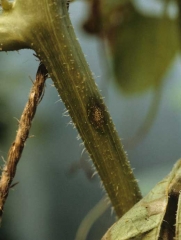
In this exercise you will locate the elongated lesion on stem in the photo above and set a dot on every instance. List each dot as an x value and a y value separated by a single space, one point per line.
96 114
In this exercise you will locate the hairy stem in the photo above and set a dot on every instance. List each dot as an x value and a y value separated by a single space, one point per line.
46 28
66 64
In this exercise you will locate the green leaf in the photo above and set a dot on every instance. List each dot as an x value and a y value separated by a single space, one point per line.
142 47
144 221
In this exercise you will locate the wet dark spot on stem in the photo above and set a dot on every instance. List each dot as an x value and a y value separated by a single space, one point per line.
96 114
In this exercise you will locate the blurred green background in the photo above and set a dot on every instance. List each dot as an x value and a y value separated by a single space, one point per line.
49 202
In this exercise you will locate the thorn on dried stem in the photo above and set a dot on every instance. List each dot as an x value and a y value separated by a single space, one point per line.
17 147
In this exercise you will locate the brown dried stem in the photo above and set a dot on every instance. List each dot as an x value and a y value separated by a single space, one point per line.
17 147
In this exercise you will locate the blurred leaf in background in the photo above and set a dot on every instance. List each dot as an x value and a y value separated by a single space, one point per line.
142 46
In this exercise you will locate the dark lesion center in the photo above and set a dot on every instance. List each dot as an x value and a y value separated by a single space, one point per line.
96 115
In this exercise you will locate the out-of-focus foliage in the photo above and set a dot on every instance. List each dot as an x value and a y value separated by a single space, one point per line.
142 46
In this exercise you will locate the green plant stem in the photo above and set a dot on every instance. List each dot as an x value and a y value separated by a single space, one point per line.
53 38
70 73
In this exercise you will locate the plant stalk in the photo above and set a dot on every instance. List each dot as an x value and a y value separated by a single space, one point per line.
63 57
48 31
